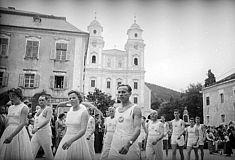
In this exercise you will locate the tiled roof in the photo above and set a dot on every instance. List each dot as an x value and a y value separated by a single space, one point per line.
230 77
18 18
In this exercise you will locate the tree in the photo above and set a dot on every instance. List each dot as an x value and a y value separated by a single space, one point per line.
155 105
101 100
193 100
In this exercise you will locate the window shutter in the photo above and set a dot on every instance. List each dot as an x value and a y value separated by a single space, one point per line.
36 80
68 52
53 52
21 80
5 79
52 80
66 82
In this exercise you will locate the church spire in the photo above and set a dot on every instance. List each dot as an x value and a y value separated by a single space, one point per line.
134 19
95 14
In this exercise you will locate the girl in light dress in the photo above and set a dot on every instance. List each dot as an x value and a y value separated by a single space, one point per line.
74 145
15 143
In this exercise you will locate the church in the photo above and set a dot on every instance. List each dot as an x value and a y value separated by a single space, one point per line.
106 69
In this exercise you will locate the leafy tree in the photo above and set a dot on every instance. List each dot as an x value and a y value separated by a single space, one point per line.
167 108
155 105
101 100
193 100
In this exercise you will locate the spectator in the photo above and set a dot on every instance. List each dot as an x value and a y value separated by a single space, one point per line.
3 120
210 139
60 129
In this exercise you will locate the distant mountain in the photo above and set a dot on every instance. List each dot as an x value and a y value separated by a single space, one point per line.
161 93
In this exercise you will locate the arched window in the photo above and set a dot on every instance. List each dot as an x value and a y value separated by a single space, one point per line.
136 61
94 31
135 100
93 59
136 35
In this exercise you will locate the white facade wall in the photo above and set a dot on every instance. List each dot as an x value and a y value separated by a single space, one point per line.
214 112
117 65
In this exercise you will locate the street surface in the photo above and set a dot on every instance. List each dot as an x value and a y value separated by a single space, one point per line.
207 156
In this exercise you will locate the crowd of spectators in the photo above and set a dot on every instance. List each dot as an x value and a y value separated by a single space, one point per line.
221 139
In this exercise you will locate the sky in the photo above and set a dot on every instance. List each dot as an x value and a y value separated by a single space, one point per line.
184 38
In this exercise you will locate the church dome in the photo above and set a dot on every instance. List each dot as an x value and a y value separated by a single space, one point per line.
135 26
95 23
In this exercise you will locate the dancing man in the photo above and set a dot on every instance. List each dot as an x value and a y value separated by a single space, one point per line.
177 138
110 125
202 136
128 117
155 133
191 137
42 130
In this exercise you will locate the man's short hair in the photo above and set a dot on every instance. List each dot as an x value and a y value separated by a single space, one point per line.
176 110
191 119
129 89
197 117
43 95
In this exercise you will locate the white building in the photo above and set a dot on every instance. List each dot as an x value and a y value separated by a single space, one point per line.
219 102
106 69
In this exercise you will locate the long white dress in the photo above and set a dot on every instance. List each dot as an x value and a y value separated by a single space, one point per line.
79 149
20 147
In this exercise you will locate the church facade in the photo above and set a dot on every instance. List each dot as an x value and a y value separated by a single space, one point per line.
106 69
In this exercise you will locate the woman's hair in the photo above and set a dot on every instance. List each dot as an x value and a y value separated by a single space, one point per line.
79 95
17 92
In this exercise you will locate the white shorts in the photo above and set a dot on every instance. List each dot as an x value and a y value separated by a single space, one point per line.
191 143
201 141
179 142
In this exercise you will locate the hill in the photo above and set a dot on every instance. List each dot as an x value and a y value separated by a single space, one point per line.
161 93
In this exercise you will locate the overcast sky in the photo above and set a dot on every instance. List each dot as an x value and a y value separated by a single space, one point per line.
184 38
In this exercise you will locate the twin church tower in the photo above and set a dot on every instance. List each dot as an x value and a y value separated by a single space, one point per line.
106 69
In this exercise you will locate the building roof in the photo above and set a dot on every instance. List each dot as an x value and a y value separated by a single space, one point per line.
113 51
230 77
25 19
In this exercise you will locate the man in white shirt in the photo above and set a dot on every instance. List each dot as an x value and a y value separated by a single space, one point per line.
177 138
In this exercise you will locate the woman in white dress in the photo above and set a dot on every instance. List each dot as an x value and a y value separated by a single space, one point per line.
73 145
15 143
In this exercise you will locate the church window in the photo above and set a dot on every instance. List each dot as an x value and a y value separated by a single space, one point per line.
119 64
108 84
221 97
136 61
109 63
136 35
92 83
93 59
222 118
135 100
94 31
135 85
207 101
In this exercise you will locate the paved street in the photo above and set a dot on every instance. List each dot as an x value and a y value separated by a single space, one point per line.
206 157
